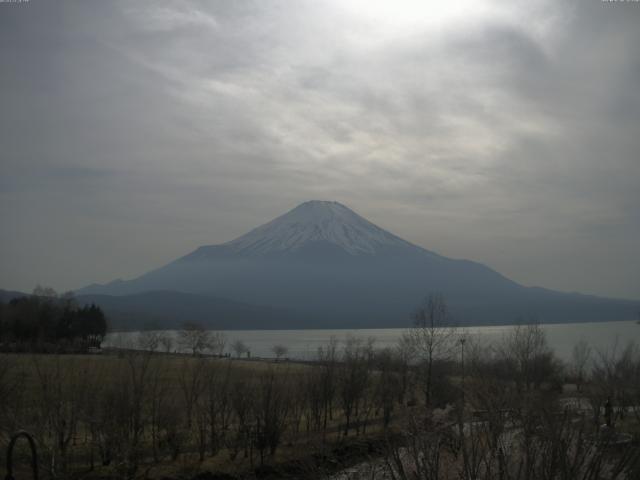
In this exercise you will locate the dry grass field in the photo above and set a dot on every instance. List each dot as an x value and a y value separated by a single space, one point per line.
135 414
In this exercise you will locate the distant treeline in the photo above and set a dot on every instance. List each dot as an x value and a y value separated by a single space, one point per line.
46 321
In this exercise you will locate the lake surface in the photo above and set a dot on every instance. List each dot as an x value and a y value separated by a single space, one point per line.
303 344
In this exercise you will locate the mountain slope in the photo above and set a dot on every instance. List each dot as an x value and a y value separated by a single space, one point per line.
323 259
169 310
7 295
166 309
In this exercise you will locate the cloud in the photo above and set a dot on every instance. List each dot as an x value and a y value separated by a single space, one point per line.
504 133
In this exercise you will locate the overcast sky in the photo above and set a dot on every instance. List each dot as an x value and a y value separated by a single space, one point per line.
132 132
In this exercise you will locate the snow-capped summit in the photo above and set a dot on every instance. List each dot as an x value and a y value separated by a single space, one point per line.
316 221
321 265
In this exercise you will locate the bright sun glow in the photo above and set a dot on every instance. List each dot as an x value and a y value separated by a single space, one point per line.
403 16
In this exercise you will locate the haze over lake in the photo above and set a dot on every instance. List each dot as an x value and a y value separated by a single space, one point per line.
303 344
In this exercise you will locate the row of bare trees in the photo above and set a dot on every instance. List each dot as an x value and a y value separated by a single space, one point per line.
195 339
503 415
137 408
513 418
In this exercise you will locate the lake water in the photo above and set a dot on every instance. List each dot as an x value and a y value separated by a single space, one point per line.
303 344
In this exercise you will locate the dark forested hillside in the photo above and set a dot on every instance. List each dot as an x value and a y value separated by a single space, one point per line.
45 321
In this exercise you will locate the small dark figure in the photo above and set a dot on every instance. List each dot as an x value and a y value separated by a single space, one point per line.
608 412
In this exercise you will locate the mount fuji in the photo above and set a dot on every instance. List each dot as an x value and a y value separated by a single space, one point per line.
321 265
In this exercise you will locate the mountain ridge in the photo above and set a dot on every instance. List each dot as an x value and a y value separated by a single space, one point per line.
171 309
324 259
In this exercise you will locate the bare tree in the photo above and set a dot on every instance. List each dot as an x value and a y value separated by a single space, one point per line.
270 412
217 343
166 341
299 399
432 337
243 397
195 338
218 403
45 292
353 379
192 383
419 455
60 393
239 348
580 357
521 434
156 404
11 390
328 359
279 351
612 379
134 401
404 354
526 350
387 384
149 340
